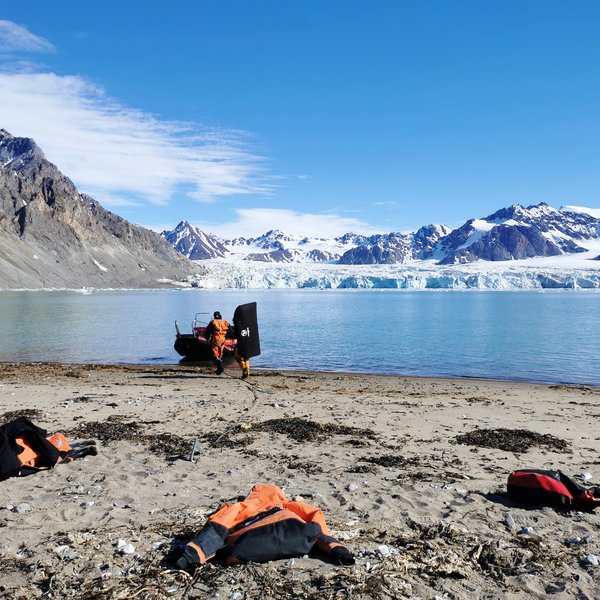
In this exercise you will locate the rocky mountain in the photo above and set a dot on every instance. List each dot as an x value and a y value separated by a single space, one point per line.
517 232
52 236
194 243
272 247
512 233
396 248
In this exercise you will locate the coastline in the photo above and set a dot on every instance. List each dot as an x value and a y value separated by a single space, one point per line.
423 514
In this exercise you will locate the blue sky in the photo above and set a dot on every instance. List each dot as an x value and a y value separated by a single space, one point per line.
314 117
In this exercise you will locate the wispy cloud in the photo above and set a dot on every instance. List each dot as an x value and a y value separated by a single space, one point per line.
15 38
252 222
112 151
118 154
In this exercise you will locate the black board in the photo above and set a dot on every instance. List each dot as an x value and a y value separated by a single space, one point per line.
245 325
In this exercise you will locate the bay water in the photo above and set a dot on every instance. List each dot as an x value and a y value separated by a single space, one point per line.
546 336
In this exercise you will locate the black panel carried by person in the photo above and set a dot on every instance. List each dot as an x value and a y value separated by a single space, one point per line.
245 326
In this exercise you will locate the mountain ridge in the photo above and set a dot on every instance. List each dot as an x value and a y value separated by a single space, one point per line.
511 233
53 236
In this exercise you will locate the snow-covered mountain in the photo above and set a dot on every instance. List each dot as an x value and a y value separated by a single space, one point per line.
194 243
511 233
517 232
272 247
394 248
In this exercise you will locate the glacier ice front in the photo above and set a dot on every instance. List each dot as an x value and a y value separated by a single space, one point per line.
221 274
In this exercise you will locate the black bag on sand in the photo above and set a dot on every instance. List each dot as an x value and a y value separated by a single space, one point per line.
551 488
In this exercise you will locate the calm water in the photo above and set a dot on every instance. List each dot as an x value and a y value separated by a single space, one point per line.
547 336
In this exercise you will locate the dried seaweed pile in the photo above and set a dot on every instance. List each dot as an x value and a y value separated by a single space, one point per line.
30 413
166 444
303 430
512 440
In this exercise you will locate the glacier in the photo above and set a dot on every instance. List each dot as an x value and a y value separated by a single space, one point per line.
229 274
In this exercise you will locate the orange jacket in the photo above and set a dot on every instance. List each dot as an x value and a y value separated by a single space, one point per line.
264 526
217 331
26 448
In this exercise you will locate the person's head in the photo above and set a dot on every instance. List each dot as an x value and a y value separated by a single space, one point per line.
217 315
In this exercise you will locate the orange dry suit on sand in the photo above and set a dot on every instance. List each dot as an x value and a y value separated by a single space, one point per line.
264 526
25 448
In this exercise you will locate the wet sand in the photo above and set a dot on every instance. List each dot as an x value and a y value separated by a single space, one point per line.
424 514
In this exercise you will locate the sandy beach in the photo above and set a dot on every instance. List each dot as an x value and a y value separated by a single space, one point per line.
425 515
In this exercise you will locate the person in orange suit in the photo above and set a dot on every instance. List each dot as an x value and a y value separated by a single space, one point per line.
216 332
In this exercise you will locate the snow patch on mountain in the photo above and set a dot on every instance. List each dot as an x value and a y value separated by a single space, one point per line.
593 212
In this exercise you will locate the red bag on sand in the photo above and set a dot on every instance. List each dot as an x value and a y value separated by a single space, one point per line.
551 488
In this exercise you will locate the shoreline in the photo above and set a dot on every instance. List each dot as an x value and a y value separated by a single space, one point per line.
208 368
423 514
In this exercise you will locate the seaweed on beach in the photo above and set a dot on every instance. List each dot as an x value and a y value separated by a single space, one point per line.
303 430
362 469
168 444
393 460
512 440
308 467
29 413
113 430
227 439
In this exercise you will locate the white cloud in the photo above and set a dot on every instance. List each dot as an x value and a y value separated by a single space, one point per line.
253 222
14 38
119 154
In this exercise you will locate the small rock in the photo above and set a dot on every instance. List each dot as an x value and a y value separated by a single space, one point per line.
591 559
290 562
236 596
509 522
23 507
584 476
587 539
573 540
384 550
556 587
526 530
351 487
127 549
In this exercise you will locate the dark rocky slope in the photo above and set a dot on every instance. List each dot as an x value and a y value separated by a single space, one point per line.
52 236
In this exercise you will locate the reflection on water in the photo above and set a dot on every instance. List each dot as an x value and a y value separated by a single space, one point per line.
541 336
